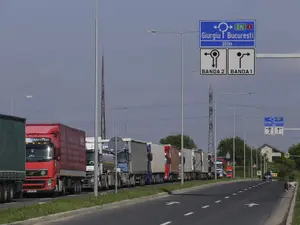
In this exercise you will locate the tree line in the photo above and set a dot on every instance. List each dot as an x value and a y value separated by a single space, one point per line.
284 167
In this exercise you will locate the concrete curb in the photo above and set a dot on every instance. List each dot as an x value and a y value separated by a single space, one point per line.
78 212
289 219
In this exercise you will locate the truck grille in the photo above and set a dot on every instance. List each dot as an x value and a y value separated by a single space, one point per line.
34 184
36 173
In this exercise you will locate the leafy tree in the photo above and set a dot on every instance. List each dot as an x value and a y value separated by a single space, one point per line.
226 146
295 150
175 140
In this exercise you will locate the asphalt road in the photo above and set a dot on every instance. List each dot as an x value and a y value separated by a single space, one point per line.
39 199
244 203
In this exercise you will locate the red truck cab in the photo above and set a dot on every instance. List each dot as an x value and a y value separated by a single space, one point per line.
229 171
55 159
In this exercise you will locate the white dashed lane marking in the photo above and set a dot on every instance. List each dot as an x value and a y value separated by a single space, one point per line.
218 201
204 207
234 194
166 223
227 197
189 213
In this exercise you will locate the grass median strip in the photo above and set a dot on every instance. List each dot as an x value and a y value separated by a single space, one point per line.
296 213
78 202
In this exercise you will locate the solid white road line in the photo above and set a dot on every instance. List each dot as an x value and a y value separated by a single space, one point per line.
204 207
166 223
227 197
189 213
218 201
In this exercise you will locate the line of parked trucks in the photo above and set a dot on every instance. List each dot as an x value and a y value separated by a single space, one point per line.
57 159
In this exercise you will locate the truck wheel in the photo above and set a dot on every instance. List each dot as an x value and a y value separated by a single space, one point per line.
6 194
1 193
18 195
10 193
63 192
79 188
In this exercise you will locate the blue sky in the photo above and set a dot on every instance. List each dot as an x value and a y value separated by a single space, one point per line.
47 50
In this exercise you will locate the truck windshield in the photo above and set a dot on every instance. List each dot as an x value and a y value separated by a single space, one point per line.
219 166
122 157
38 153
90 158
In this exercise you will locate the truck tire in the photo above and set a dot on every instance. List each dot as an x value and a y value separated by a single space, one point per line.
5 194
1 193
11 193
79 188
63 192
18 195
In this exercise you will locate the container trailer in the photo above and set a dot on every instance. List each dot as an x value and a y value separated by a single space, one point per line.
156 164
55 159
12 160
188 168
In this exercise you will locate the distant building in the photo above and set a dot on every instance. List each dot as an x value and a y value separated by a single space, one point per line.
270 152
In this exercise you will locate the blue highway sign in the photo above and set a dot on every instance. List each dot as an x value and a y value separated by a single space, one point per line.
227 33
276 121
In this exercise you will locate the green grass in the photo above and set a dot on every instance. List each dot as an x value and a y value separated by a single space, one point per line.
68 204
296 214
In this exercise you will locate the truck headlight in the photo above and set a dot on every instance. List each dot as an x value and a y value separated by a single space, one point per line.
49 183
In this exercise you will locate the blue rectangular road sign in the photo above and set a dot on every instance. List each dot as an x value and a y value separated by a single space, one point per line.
227 33
276 121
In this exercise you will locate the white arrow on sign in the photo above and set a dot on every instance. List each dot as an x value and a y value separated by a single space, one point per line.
172 203
251 204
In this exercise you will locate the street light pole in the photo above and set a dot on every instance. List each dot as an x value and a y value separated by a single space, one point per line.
96 104
182 108
12 103
251 162
244 148
182 88
215 135
234 140
234 126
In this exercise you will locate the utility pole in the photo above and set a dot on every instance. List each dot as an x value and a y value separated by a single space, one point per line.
244 147
233 141
103 119
96 168
251 164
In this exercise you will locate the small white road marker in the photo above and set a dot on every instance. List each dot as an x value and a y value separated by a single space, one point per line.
234 194
166 223
172 203
245 189
240 191
227 197
251 204
218 201
189 213
204 207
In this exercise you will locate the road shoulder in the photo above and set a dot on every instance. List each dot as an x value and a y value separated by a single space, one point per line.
279 215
